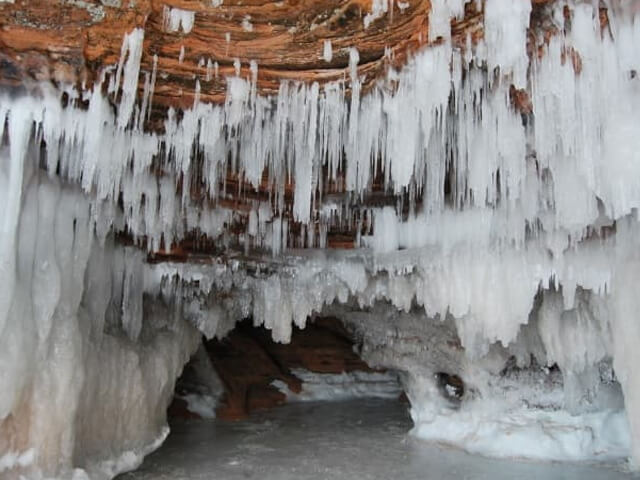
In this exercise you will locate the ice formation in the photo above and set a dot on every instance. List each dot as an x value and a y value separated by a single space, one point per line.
202 388
379 8
86 375
514 239
327 51
176 19
342 386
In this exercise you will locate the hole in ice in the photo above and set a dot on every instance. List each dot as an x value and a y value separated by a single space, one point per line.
451 387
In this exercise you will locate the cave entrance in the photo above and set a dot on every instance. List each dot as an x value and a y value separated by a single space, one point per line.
311 408
247 407
265 429
246 371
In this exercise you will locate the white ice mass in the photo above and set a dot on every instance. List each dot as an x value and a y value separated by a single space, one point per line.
511 258
342 386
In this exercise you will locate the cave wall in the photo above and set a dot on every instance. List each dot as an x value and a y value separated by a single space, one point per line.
516 399
198 40
87 365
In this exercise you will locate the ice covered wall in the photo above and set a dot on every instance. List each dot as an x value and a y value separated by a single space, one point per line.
511 205
492 205
511 403
87 365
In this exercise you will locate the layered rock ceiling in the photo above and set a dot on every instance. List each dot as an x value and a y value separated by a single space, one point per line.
191 48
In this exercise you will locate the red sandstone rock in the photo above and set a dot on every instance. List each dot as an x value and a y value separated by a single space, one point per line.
248 361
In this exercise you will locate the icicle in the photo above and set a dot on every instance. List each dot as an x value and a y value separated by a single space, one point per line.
132 44
20 124
440 16
505 27
327 51
176 19
209 70
351 149
378 9
246 24
153 84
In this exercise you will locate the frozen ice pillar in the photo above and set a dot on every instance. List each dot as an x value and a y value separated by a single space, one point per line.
83 384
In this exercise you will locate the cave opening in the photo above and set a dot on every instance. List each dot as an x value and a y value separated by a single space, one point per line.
245 371
246 406
244 387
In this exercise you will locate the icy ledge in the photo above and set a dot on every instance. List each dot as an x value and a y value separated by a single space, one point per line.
341 386
510 405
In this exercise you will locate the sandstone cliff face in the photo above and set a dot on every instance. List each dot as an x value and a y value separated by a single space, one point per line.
71 42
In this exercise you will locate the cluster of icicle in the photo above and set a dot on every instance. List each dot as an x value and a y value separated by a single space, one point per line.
535 255
558 173
529 204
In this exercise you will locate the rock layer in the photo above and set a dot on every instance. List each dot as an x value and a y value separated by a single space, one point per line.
248 361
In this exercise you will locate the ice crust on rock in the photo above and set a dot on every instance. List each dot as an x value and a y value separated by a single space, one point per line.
530 252
509 408
379 8
86 374
341 386
176 19
522 179
202 388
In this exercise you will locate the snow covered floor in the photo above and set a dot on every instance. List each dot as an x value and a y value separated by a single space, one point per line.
356 439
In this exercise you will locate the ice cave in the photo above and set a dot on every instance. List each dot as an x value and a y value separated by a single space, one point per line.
308 239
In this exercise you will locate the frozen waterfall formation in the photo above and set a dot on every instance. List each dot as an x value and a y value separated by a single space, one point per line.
493 191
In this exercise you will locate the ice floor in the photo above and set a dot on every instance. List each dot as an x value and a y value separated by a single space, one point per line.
358 439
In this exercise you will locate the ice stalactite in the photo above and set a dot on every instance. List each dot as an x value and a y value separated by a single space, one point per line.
176 19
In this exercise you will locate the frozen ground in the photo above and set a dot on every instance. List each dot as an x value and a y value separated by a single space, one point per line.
357 439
